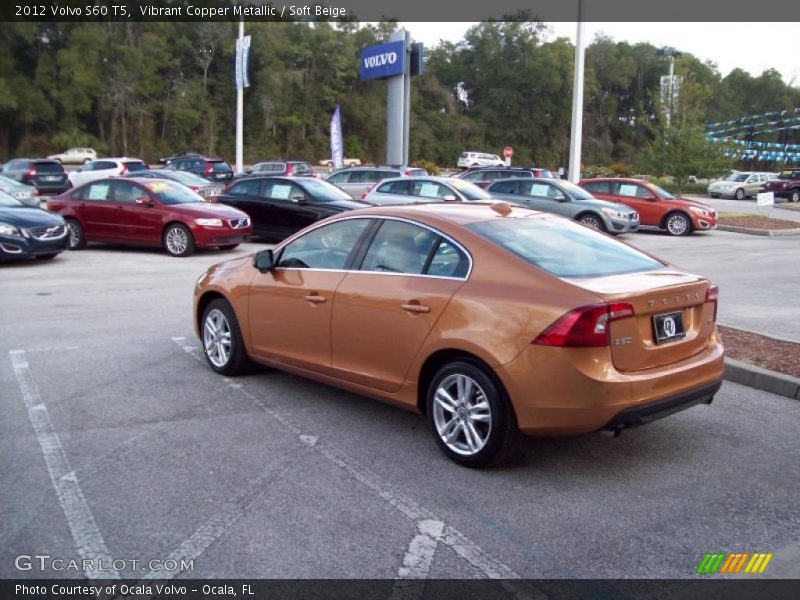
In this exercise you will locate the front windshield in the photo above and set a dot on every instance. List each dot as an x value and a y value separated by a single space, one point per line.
576 191
169 193
737 177
663 193
470 191
324 191
8 181
8 200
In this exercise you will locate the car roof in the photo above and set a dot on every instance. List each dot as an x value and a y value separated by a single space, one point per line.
628 179
457 213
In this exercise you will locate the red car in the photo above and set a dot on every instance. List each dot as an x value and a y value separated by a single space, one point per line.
148 212
657 208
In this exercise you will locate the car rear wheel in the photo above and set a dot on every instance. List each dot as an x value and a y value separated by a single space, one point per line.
592 222
678 224
76 239
178 240
222 339
739 195
470 416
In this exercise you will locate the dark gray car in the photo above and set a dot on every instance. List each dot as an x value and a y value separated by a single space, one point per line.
568 200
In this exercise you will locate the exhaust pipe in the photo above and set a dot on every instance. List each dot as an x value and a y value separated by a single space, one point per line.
615 433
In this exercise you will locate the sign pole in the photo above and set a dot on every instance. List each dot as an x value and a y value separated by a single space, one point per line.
576 132
395 110
240 102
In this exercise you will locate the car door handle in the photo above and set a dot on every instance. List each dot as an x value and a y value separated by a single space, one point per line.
315 298
413 306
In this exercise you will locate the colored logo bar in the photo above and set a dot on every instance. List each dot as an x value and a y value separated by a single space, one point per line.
735 562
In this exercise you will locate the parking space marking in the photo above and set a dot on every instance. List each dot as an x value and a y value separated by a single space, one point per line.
225 516
446 535
85 533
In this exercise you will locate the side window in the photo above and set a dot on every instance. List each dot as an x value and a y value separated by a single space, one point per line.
540 190
399 247
327 247
124 191
448 261
597 187
429 189
643 192
101 165
97 191
505 187
631 190
394 187
338 178
279 191
245 188
474 176
554 193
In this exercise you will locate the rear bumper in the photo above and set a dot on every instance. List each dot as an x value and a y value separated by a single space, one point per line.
652 411
565 391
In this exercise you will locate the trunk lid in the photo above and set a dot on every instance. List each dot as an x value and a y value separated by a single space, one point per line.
656 296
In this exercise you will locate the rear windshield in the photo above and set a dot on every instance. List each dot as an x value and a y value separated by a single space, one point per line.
469 190
417 173
135 166
302 168
789 174
220 166
577 192
324 191
48 167
564 248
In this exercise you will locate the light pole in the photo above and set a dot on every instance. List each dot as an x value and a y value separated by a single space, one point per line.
576 131
671 54
240 105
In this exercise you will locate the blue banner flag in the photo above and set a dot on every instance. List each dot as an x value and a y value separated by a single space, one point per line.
337 144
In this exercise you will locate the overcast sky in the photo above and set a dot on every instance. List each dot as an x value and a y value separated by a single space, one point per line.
753 47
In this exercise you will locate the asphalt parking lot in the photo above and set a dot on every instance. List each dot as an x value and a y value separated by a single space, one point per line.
118 441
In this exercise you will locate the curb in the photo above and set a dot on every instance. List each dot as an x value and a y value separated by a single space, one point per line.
751 231
762 379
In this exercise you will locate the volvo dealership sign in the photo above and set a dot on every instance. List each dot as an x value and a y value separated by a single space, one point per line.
383 60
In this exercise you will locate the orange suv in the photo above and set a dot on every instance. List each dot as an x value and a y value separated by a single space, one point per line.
657 208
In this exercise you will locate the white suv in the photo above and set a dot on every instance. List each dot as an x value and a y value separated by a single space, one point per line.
105 167
479 159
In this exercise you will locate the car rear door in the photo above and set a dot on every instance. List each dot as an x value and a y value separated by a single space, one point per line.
291 305
97 213
384 312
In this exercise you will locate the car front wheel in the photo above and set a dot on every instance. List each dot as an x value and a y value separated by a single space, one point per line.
739 195
470 416
678 224
76 239
178 240
222 339
592 222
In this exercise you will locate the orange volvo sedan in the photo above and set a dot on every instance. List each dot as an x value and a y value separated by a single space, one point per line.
489 319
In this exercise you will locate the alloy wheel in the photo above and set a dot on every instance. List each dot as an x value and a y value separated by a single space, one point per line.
462 414
217 338
592 222
677 224
177 240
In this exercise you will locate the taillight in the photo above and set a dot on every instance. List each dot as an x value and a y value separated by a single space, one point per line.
368 190
209 170
288 170
124 169
585 327
712 296
30 172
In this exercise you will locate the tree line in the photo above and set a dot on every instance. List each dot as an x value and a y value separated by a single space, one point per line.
147 89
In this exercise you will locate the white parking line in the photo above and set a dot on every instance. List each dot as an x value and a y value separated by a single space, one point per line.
428 524
85 534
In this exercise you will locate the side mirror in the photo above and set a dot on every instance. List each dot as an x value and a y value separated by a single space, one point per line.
449 198
264 261
145 201
562 199
248 171
299 199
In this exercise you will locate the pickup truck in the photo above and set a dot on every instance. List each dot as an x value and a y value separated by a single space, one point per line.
787 185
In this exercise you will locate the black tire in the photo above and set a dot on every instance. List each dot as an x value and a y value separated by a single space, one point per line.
677 224
76 240
237 362
229 247
87 160
592 221
502 432
714 195
178 240
739 195
47 256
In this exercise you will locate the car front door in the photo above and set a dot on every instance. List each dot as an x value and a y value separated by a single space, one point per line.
245 195
642 200
284 209
384 312
141 223
291 305
546 197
